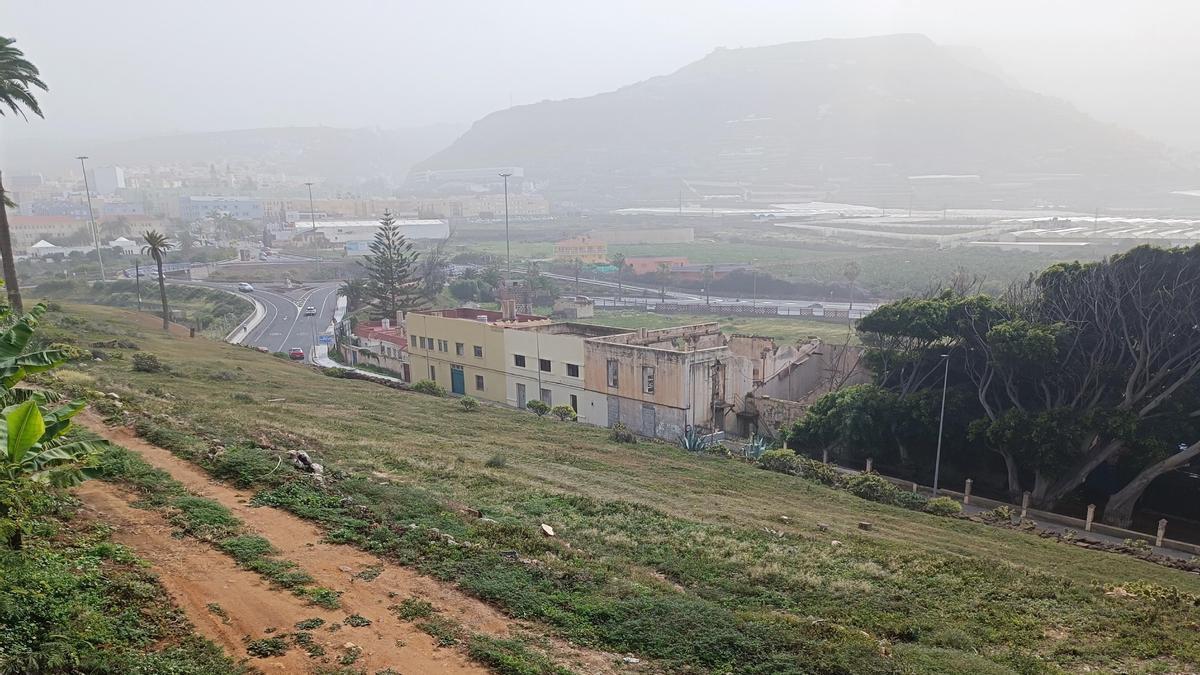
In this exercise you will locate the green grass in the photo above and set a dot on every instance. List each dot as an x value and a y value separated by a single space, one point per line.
784 330
677 558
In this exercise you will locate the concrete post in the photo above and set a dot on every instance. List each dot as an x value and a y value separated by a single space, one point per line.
967 492
914 488
1024 504
868 465
1087 525
1162 531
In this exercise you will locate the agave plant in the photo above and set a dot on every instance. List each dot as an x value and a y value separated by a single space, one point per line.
755 447
693 441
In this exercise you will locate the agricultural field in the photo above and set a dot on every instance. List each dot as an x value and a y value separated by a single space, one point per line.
683 562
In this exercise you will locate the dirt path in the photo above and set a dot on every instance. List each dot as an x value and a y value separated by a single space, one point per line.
197 575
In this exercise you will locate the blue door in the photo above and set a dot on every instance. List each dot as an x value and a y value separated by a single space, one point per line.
458 383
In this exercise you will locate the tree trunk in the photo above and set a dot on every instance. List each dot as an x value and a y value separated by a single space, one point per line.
1047 491
16 540
162 293
1014 477
1119 510
6 257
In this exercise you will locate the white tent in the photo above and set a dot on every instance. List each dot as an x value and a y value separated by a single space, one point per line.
43 247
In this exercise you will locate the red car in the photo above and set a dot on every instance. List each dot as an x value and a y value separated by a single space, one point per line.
296 354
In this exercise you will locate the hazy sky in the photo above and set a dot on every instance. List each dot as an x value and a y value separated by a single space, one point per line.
126 68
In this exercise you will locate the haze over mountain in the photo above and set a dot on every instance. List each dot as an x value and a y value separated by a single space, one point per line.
848 119
324 152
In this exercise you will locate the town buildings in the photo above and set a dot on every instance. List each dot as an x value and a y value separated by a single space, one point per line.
585 249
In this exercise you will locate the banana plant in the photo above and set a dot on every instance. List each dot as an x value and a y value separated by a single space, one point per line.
15 364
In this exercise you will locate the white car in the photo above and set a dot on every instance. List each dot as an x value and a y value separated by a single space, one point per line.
310 311
245 287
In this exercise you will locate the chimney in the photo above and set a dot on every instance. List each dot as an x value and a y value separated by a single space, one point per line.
508 310
385 324
399 317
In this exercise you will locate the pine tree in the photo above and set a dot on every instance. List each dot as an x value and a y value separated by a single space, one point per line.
392 279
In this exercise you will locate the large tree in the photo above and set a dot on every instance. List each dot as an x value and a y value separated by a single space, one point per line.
393 284
157 246
18 81
1081 365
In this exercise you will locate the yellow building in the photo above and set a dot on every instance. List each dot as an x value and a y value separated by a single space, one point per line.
583 248
462 349
546 362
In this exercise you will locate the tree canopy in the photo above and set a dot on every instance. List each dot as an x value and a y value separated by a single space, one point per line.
393 283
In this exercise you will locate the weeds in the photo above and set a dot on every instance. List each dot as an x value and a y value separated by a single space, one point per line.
411 609
267 647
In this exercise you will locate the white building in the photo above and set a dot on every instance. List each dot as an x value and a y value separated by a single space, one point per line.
108 179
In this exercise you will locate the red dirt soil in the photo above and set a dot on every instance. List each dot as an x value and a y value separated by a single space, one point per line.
196 574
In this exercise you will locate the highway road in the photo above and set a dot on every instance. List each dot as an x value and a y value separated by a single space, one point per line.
284 326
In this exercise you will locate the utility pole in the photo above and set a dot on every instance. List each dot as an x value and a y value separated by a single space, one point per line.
507 247
312 212
137 281
91 215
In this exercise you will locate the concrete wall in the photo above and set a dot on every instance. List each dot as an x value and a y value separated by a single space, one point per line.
560 350
813 374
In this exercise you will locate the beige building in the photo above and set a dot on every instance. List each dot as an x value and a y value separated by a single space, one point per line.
661 382
27 230
584 249
546 362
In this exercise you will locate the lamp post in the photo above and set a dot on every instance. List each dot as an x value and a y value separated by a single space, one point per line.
754 272
937 462
507 248
312 212
137 280
91 216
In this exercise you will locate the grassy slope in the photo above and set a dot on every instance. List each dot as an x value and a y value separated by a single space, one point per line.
786 330
682 537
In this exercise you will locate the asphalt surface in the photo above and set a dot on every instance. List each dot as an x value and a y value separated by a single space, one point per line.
285 325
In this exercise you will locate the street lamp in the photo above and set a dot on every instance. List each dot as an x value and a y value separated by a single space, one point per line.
91 215
754 272
937 462
507 248
312 212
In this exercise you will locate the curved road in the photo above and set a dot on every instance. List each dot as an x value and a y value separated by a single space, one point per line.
284 326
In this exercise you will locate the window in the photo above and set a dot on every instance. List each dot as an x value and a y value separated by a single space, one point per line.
574 403
547 397
544 365
478 383
478 352
648 379
458 348
519 360
443 346
612 372
433 373
572 370
412 340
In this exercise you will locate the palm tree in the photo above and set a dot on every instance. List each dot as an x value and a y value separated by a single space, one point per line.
18 79
156 245
618 261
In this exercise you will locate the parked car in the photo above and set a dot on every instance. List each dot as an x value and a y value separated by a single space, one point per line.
310 311
296 354
245 287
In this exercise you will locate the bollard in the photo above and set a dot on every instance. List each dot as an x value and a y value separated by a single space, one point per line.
868 465
967 492
914 488
825 456
1087 525
1162 531
1024 505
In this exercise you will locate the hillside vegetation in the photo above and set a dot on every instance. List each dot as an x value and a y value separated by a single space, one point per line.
692 563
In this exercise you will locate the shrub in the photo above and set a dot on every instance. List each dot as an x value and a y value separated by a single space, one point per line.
281 355
267 647
357 621
70 352
468 404
564 413
943 506
873 487
496 462
539 408
429 387
244 466
910 500
782 460
333 372
622 434
145 362
241 397
1000 514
